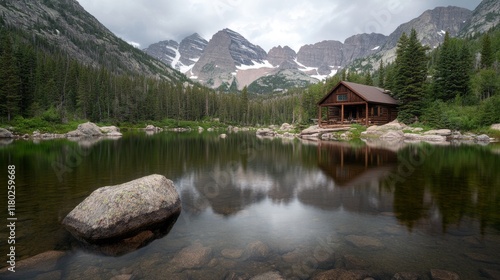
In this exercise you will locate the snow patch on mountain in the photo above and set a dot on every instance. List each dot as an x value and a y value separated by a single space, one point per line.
175 60
255 65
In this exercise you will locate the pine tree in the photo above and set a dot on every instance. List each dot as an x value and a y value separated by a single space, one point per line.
368 79
465 64
10 97
486 53
244 104
411 74
381 75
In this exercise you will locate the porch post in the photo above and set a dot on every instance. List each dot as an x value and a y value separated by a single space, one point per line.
366 114
319 116
342 115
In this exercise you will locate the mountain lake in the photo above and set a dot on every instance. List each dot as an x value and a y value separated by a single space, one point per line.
264 207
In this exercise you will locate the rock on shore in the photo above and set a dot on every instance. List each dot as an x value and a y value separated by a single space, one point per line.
121 210
4 133
90 129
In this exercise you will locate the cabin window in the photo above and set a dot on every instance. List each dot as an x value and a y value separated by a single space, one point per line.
376 111
342 97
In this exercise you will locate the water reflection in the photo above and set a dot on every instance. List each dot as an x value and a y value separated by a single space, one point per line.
416 183
418 200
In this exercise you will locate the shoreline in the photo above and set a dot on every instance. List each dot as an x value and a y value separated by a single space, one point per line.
393 132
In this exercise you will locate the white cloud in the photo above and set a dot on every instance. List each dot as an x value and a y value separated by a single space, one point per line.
262 22
134 44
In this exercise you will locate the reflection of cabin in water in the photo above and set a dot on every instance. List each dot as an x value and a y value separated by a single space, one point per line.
350 103
350 166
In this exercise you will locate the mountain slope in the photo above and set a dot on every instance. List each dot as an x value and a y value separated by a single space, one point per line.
181 56
432 25
226 53
65 25
484 17
230 59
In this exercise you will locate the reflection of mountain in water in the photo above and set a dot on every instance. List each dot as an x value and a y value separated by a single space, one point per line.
443 187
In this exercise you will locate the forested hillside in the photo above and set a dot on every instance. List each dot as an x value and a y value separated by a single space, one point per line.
39 80
456 85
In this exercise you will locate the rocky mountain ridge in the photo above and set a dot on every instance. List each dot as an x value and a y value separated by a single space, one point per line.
66 26
230 59
484 17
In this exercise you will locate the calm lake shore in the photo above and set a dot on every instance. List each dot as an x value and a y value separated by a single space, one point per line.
392 132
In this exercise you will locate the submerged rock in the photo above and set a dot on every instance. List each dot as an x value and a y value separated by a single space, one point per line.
406 276
256 250
366 242
123 210
339 273
194 256
271 275
439 274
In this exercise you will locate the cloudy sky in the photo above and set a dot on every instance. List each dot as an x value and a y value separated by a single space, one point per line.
267 23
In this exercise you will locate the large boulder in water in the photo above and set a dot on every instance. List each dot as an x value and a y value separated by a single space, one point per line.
120 211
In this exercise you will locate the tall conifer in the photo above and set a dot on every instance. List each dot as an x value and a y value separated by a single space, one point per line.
411 74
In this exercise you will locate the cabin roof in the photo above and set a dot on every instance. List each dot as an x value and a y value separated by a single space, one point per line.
367 93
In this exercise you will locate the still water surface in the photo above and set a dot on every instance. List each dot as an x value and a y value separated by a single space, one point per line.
252 205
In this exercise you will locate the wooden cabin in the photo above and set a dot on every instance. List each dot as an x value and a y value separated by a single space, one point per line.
349 103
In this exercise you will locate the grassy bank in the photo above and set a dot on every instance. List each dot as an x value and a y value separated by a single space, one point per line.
21 126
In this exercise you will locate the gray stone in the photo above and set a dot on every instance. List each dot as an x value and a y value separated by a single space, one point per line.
265 132
354 262
87 129
122 277
439 274
271 275
4 133
117 211
483 138
392 135
150 127
365 242
52 275
111 131
342 274
406 276
256 250
232 253
442 132
194 256
429 138
223 136
43 262
286 127
495 126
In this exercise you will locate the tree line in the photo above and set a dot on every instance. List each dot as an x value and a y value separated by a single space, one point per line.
455 85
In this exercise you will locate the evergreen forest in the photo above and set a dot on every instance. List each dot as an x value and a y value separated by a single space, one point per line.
455 86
